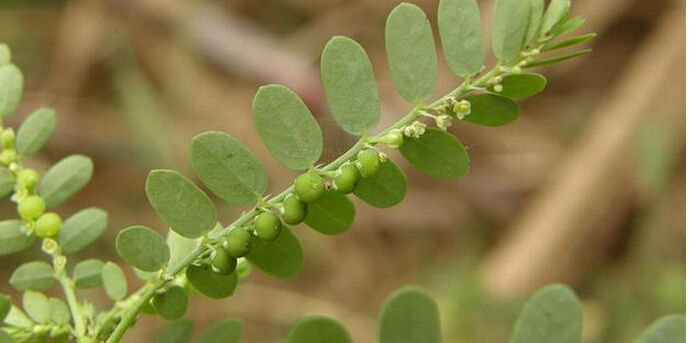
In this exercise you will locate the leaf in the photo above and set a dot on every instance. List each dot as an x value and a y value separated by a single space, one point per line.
5 337
535 17
461 35
491 110
384 189
228 168
669 329
5 306
332 214
35 276
5 54
36 306
287 127
17 318
510 22
11 88
556 59
7 182
568 26
281 258
350 87
410 316
172 303
437 153
59 312
211 284
64 179
569 42
520 86
82 229
228 331
178 331
114 281
411 52
35 131
180 204
553 315
557 11
12 238
180 246
143 248
318 329
87 273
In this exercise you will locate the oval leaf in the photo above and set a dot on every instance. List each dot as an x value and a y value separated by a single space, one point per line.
535 17
491 110
34 276
11 88
551 315
318 329
384 189
350 87
180 246
82 229
12 238
670 329
211 284
557 12
287 127
510 23
143 248
281 258
172 303
36 306
5 306
410 316
411 52
178 331
461 35
180 204
87 273
114 281
59 312
229 331
520 86
437 153
7 182
332 214
64 179
35 131
228 168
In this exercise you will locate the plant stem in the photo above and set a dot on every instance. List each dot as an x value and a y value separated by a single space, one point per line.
68 288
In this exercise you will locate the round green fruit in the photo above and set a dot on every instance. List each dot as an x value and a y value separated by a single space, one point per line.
31 207
346 179
267 226
309 187
293 210
7 138
223 263
48 225
8 157
28 177
238 242
368 162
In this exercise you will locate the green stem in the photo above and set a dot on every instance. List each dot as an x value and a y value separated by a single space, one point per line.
68 288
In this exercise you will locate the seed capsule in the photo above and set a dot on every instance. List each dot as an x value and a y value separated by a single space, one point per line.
48 225
238 242
267 226
309 187
31 207
223 263
368 162
293 210
347 179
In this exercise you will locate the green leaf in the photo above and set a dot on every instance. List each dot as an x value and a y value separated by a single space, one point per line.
569 42
172 303
669 329
410 316
11 88
180 204
332 214
7 182
411 52
82 229
228 168
551 315
491 110
59 312
557 59
35 276
211 284
520 86
5 306
350 87
87 273
114 281
568 26
287 127
437 153
180 246
535 17
384 189
64 179
17 318
36 306
35 131
12 238
5 337
281 258
229 331
143 248
5 54
461 35
557 11
318 329
510 23
178 331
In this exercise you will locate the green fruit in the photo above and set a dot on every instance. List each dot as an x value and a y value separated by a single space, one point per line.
7 138
48 225
223 263
238 242
293 210
394 139
267 226
309 187
148 308
31 207
28 177
346 179
8 157
368 162
243 268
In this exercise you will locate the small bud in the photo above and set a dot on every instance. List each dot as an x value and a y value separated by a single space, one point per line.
49 246
394 139
60 262
415 130
27 177
14 167
462 109
443 122
383 157
7 138
8 157
516 70
497 88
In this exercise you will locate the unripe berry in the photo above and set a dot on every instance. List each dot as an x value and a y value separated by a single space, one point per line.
368 162
346 179
267 226
48 225
31 207
238 242
309 187
8 157
293 210
223 263
7 138
394 139
28 177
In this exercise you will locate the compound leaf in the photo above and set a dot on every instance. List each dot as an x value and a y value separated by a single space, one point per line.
87 273
12 238
410 316
211 284
11 88
332 214
281 258
82 229
520 86
172 303
37 306
114 281
552 314
318 329
384 189
669 329
461 35
510 23
35 131
228 331
64 179
34 276
437 153
491 110
178 331
142 248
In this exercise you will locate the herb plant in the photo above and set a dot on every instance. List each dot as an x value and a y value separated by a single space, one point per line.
202 255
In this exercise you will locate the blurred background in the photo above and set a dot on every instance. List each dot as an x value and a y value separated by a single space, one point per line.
587 188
